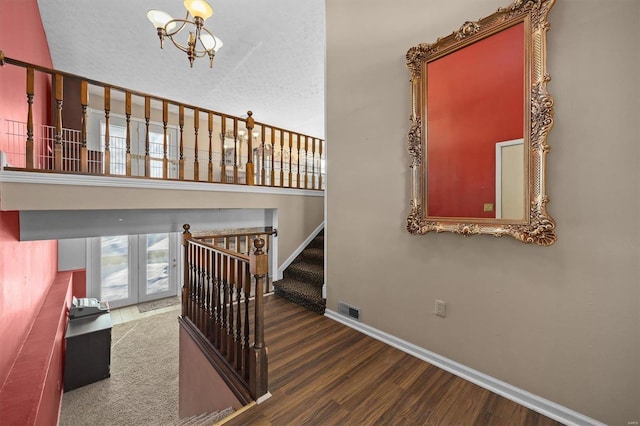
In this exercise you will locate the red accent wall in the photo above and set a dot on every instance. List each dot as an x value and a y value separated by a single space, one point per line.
472 103
27 270
22 37
33 299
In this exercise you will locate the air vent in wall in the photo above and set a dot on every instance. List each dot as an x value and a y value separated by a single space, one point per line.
349 311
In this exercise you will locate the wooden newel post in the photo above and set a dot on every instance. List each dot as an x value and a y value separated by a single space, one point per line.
258 371
250 126
185 284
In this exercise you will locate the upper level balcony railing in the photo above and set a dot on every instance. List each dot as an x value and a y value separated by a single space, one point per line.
71 124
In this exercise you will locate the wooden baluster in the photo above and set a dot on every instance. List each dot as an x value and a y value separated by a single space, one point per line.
196 126
57 150
196 286
214 300
273 156
219 300
165 156
281 158
202 288
205 294
263 172
258 369
107 137
223 161
313 164
181 125
197 294
210 165
230 321
128 118
186 235
238 336
306 162
193 282
250 175
235 150
225 301
147 117
321 142
246 346
84 153
298 185
267 239
30 94
290 159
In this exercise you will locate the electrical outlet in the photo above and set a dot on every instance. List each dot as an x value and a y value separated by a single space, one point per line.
441 308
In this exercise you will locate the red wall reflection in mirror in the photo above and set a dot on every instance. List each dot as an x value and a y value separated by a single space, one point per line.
475 99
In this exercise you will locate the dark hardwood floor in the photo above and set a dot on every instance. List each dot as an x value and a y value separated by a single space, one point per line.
324 373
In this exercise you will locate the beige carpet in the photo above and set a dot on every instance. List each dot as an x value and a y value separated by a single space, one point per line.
143 387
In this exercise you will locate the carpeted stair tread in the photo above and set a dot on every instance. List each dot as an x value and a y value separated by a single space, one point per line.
310 273
304 278
317 242
313 255
308 296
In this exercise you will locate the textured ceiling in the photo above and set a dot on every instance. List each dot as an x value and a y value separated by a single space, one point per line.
272 61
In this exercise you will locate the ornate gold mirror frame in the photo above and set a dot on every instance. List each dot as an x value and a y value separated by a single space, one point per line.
536 226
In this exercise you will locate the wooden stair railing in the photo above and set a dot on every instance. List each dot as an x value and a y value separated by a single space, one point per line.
221 289
235 159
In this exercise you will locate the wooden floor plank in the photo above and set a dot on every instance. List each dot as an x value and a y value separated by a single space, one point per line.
324 373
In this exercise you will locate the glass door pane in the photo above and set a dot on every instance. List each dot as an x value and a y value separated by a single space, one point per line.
159 264
114 269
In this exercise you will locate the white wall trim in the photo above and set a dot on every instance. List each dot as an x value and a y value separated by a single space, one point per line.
297 251
527 399
11 176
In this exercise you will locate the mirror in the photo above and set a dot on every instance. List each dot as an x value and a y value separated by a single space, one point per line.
480 116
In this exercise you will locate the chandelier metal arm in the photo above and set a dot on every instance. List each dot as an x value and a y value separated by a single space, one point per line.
197 46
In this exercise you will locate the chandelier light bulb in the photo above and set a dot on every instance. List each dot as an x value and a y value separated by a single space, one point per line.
161 19
199 8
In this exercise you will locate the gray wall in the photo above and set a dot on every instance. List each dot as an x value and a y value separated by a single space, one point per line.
561 322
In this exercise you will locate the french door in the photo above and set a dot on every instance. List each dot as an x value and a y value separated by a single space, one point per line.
129 269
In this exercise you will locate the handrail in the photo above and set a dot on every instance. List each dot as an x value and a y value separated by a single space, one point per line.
205 145
216 300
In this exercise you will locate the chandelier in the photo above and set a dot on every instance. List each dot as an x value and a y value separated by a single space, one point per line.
201 42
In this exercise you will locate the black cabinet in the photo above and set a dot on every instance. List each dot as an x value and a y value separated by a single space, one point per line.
88 351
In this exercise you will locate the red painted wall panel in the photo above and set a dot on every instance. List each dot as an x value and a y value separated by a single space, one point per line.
472 103
80 283
22 37
27 269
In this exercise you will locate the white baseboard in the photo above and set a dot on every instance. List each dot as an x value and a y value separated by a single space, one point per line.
522 397
295 254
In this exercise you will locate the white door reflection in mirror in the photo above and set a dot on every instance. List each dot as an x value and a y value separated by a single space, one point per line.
510 182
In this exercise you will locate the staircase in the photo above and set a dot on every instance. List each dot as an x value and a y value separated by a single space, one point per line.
304 278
